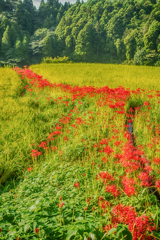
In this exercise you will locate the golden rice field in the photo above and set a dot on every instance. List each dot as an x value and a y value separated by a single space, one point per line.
99 75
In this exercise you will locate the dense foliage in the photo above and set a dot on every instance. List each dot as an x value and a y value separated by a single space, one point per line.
110 31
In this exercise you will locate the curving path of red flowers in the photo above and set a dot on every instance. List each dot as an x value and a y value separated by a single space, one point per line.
131 158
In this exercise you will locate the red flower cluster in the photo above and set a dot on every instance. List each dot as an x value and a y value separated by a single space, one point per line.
60 204
36 230
139 227
158 184
145 179
128 186
105 176
77 184
123 214
113 189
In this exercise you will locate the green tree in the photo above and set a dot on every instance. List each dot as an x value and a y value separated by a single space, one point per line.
4 23
58 18
151 36
25 45
151 58
120 49
18 48
14 34
140 57
67 31
69 44
47 50
19 13
84 42
75 31
6 44
2 6
130 44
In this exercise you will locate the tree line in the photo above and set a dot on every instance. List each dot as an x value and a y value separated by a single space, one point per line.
106 31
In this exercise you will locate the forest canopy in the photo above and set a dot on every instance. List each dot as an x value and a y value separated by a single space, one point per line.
106 31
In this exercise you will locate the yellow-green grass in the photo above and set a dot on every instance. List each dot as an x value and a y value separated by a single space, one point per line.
10 82
98 75
21 123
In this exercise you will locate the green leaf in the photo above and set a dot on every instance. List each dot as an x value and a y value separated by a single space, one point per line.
71 232
33 207
111 231
26 227
123 231
34 225
79 225
92 236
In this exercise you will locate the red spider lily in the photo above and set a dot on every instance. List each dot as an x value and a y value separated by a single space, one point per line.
29 169
148 169
108 150
105 160
146 103
158 184
123 214
42 144
105 176
128 186
85 209
113 189
0 230
108 227
139 227
145 179
101 198
60 204
36 230
104 204
77 184
156 161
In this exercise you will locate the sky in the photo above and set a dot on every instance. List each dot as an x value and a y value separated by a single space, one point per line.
37 2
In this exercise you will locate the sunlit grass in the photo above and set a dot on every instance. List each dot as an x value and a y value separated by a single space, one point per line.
99 75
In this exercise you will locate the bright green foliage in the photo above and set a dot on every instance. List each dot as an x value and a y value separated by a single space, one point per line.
152 35
130 44
140 57
55 60
94 31
2 5
47 47
14 34
69 43
25 45
151 58
37 43
6 44
4 23
84 42
18 48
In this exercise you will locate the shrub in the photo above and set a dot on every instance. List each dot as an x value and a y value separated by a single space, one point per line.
56 60
140 56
